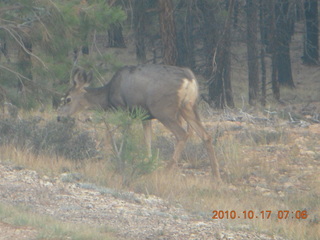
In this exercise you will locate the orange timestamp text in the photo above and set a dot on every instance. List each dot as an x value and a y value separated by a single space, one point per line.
264 214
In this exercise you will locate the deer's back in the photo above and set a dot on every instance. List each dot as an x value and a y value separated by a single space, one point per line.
149 86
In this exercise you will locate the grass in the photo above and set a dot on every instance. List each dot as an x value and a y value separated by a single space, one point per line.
259 176
263 168
50 228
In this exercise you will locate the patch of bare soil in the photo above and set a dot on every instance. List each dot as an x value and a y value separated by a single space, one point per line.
130 215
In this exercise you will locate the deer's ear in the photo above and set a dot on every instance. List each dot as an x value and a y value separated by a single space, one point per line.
74 76
80 78
89 77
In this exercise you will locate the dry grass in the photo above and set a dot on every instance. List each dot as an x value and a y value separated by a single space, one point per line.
265 166
261 172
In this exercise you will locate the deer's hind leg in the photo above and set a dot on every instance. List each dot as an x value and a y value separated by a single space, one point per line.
147 129
190 114
181 137
172 121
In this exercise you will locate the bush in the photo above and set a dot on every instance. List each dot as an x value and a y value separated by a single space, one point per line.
53 138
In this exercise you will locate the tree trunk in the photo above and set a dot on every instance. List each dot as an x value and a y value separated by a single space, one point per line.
265 24
311 45
25 64
186 46
272 49
208 34
263 99
139 14
168 32
253 68
220 91
282 36
115 37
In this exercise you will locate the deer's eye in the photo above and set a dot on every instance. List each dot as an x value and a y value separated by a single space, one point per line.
68 99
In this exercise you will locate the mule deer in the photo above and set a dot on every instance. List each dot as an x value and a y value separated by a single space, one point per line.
166 93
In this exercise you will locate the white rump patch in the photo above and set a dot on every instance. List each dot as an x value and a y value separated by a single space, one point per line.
188 92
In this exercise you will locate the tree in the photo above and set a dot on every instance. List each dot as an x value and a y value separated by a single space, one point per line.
168 32
253 66
208 30
186 57
220 91
276 29
44 33
139 17
115 36
282 38
272 48
311 44
265 24
24 63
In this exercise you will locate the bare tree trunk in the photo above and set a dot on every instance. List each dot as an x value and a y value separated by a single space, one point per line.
283 34
264 25
139 8
311 44
253 68
273 50
115 36
220 91
168 32
186 47
25 63
263 99
236 14
209 35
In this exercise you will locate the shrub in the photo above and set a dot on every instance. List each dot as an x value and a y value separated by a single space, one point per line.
53 138
129 157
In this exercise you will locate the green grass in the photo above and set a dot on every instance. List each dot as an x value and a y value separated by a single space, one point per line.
50 228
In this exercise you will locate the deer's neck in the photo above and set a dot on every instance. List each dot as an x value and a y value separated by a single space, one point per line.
97 97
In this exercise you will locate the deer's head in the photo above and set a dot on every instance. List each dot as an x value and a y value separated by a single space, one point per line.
75 100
